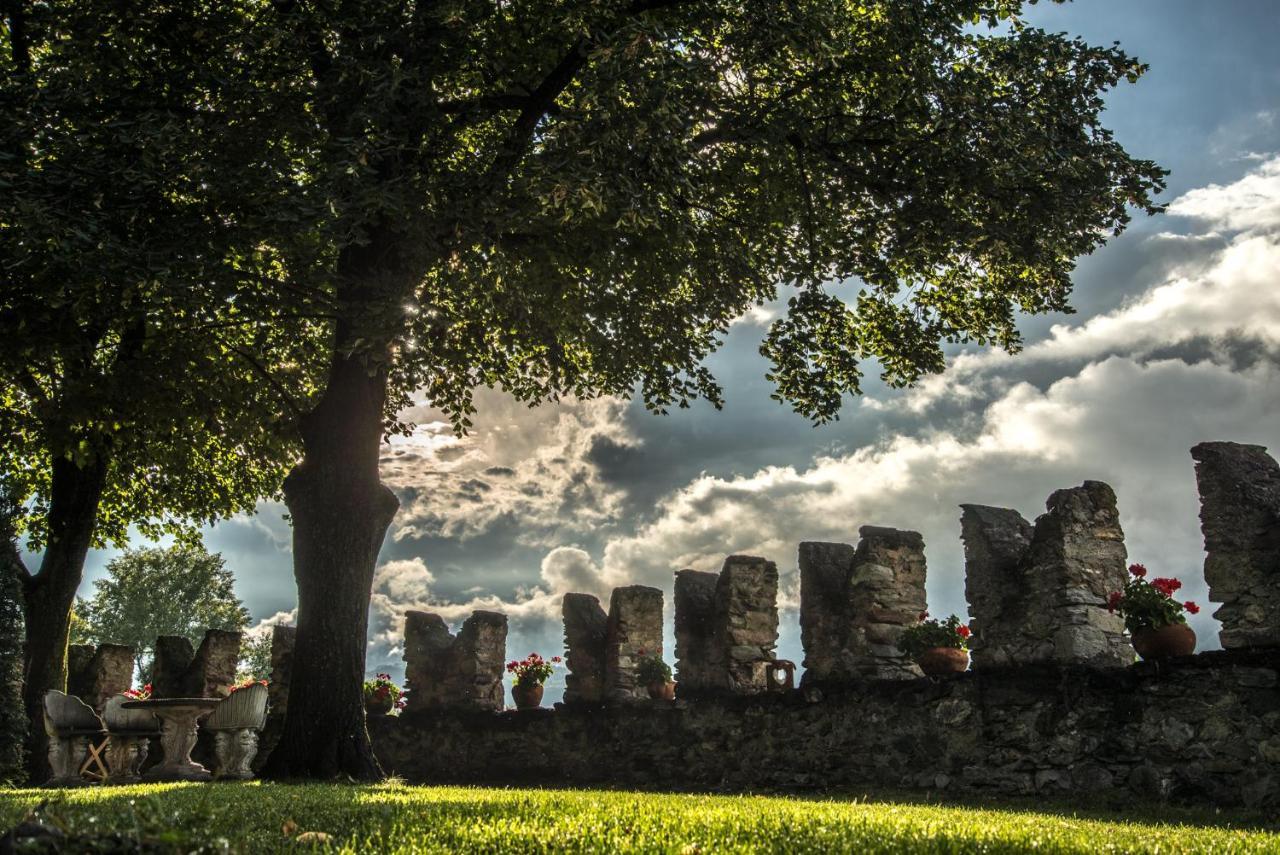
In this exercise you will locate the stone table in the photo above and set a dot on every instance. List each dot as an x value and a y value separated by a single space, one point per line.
178 719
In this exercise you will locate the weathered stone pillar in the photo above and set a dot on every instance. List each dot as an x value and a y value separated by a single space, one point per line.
173 656
746 616
212 672
283 639
855 603
586 628
886 595
106 673
825 569
1240 518
635 625
996 541
1039 593
444 672
699 659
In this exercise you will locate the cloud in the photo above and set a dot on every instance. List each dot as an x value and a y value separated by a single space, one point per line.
535 466
1250 204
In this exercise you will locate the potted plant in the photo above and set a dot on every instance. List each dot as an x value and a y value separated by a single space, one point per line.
1156 621
381 695
938 647
529 674
655 674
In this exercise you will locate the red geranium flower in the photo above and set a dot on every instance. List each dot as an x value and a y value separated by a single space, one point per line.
1138 570
1165 586
1113 602
1191 607
962 631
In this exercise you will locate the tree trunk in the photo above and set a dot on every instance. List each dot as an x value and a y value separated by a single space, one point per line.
340 511
74 495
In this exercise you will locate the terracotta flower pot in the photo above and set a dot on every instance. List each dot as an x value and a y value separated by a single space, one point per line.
943 660
377 706
1176 639
527 697
662 691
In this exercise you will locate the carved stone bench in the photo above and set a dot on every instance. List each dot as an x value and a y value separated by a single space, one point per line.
129 734
235 724
72 726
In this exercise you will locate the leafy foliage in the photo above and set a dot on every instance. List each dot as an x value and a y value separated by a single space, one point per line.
151 592
533 670
382 691
652 669
578 198
1149 605
255 656
931 632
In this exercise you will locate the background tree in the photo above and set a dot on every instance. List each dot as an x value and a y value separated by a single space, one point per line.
255 655
142 378
182 590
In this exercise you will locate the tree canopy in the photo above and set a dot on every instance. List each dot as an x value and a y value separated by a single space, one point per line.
582 196
151 592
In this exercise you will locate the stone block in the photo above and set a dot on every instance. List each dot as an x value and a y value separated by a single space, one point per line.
212 672
746 616
634 629
283 640
173 656
586 629
1240 518
107 672
699 660
447 672
855 602
1038 593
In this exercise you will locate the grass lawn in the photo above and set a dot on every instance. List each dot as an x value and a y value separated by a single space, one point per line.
250 817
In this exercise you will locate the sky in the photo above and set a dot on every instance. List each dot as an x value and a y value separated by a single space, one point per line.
1175 340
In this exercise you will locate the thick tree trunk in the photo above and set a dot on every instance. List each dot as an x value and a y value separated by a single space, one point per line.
340 511
74 495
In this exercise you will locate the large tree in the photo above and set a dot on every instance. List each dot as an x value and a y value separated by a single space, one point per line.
578 196
142 381
146 593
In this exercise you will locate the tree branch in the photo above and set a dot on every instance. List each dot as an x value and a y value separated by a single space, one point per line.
266 374
19 44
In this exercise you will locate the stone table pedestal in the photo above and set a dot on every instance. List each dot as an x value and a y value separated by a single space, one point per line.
178 722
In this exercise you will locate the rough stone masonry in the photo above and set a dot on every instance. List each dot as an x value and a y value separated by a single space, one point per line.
726 627
444 672
1240 518
855 604
1039 593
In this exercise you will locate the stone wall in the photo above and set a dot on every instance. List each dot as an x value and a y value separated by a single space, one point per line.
634 629
1039 593
586 630
855 603
444 672
181 671
283 640
726 627
1240 518
96 674
1202 729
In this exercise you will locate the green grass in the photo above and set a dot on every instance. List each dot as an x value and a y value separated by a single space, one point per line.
394 818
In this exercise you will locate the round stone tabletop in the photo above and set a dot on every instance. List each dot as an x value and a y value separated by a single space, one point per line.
161 703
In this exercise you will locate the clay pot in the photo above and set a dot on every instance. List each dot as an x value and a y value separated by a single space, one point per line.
527 697
1176 639
943 660
662 691
377 706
